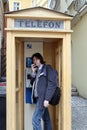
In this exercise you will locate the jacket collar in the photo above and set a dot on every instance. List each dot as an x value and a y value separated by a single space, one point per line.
41 66
43 71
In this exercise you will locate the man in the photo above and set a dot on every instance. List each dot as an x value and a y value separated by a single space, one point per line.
43 89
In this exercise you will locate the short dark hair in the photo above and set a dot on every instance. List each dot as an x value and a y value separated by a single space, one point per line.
38 56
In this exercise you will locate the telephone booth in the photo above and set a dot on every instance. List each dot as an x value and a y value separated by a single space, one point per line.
48 32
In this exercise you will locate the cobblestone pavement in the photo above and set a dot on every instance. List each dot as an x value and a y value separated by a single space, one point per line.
79 113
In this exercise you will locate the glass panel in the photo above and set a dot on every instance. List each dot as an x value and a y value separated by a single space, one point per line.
16 5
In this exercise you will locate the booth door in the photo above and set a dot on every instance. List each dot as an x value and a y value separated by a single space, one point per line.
19 86
53 55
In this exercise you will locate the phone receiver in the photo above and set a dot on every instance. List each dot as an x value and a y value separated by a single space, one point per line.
35 66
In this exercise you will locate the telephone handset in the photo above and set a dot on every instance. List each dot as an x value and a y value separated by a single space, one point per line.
35 66
29 64
28 71
28 76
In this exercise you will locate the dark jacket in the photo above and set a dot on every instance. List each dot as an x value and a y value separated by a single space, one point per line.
46 84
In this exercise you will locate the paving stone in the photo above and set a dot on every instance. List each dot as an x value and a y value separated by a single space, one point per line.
79 113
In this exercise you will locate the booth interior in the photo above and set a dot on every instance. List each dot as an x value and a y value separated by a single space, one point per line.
51 49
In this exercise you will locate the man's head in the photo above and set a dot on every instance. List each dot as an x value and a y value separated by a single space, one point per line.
37 59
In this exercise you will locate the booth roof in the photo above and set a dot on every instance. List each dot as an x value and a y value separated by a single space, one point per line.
38 7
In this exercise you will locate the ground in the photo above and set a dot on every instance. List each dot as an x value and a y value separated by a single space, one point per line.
79 113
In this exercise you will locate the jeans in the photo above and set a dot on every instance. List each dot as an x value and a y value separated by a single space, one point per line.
44 114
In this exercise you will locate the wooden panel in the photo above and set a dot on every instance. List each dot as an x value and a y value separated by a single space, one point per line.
58 66
66 83
68 91
21 98
49 56
19 90
9 84
13 98
59 69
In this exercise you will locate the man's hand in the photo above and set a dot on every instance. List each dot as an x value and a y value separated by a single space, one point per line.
46 103
33 68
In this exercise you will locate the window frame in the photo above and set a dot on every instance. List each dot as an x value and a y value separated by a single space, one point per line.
16 7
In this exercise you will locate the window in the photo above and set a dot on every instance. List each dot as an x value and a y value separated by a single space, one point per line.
34 3
49 3
16 6
52 4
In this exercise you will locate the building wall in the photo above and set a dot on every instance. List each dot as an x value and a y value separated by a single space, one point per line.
1 29
71 10
28 3
43 3
79 56
68 2
63 5
3 9
79 46
66 6
23 4
0 52
1 17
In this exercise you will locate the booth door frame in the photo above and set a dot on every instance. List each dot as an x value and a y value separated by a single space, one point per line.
65 121
19 84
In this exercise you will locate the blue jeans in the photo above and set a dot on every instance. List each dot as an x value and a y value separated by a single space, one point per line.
44 114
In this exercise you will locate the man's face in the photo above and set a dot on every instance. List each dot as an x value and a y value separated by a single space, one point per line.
36 61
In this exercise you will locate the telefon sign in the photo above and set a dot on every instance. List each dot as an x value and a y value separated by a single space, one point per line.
39 24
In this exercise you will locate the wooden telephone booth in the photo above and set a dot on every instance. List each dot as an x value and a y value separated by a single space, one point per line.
53 30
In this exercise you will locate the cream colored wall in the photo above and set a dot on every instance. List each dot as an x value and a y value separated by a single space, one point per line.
28 108
28 3
23 3
66 6
79 56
